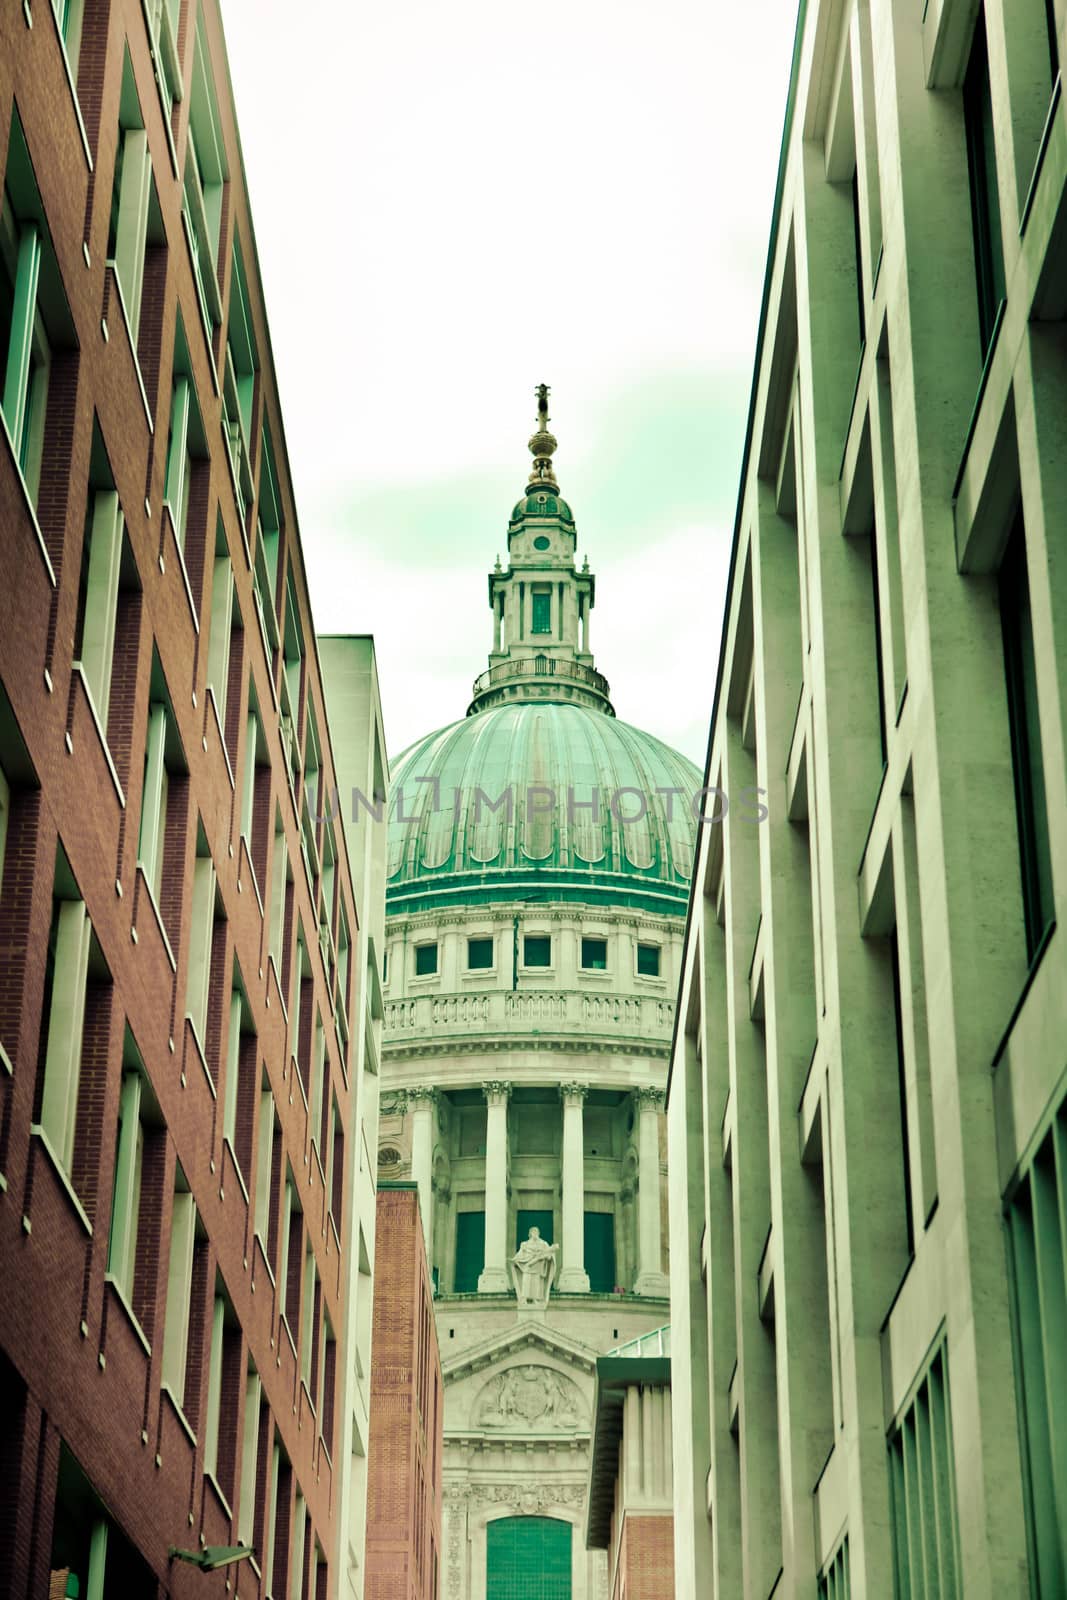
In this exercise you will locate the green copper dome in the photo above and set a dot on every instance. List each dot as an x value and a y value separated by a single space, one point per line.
500 806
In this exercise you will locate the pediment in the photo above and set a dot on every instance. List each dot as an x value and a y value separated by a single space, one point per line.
531 1340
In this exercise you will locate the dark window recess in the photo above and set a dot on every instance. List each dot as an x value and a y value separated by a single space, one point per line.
470 1251
541 621
858 239
525 1220
537 950
600 1251
985 199
595 955
425 960
479 954
648 960
1021 673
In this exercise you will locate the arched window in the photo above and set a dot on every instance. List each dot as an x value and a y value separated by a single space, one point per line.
528 1558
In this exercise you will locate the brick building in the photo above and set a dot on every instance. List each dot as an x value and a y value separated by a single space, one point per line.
407 1410
181 956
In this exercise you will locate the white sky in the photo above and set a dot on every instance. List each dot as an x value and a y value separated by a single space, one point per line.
456 202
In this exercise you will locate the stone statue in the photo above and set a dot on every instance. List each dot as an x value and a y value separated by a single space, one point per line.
533 1268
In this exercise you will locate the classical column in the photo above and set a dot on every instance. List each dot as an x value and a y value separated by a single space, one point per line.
651 1278
494 1276
573 1277
422 1104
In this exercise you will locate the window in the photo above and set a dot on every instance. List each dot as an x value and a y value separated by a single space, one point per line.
541 620
255 791
90 1556
1031 811
268 542
163 18
129 1170
239 1087
858 247
595 955
69 15
1038 1244
183 1232
541 1220
223 1386
425 960
470 1251
516 1547
599 1239
335 1177
164 760
280 880
186 440
834 1583
98 584
246 1515
290 1261
648 959
33 312
318 1106
239 386
300 1015
291 683
264 1159
206 173
537 950
66 978
224 615
985 195
201 938
134 206
296 1573
480 956
308 1319
926 1541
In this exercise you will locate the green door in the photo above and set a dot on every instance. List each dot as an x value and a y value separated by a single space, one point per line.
470 1251
528 1558
600 1251
525 1220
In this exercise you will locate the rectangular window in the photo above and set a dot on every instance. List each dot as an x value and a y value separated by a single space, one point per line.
296 1573
595 955
223 1390
255 791
480 956
87 1546
201 938
206 174
290 1263
163 19
239 1086
98 584
985 194
239 385
129 1169
309 1310
69 15
926 1540
66 979
599 1235
1037 1234
264 1160
223 605
246 1515
164 761
317 1104
292 679
1020 669
179 1289
470 1251
537 950
648 959
541 618
133 199
186 440
268 540
834 1583
425 960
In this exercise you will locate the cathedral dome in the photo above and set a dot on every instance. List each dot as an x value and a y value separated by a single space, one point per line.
539 800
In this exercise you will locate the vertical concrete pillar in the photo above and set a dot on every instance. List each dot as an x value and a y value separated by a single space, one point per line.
573 1277
651 1278
494 1276
422 1103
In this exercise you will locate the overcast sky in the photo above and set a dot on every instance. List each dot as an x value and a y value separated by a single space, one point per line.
454 203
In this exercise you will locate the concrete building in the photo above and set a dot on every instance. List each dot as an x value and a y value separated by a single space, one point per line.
407 1411
631 1484
539 857
182 951
866 1108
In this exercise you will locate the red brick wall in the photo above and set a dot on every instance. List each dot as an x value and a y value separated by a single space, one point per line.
406 1411
646 1559
72 1366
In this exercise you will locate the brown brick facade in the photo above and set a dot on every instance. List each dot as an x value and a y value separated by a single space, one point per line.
87 1428
407 1411
645 1569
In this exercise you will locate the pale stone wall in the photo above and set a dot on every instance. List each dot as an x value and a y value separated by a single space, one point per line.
868 1057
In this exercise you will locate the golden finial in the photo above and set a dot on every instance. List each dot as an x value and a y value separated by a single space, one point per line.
542 444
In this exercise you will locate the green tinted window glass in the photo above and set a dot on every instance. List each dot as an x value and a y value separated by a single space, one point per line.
528 1558
648 960
595 954
479 954
425 960
600 1251
470 1251
525 1220
542 611
537 950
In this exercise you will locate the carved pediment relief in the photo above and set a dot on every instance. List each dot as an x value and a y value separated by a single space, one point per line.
529 1398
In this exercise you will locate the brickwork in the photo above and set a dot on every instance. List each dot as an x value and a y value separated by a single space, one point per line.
406 1434
645 1569
81 1371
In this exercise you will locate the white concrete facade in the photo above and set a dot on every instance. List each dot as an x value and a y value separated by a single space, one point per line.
866 1108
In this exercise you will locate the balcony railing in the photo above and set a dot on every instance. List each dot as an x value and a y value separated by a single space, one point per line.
506 1011
560 669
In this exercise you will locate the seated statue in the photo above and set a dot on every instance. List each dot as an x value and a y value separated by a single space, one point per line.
533 1268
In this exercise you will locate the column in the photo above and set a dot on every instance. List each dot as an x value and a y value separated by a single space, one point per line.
651 1278
573 1277
494 1278
422 1104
